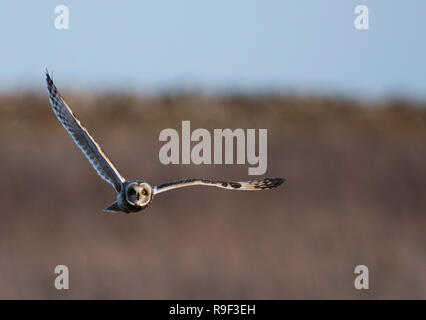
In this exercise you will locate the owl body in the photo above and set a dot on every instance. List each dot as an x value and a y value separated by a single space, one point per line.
134 196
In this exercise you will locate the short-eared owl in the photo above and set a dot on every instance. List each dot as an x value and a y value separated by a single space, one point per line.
135 195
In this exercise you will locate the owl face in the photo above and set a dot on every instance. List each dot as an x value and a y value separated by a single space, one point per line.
138 193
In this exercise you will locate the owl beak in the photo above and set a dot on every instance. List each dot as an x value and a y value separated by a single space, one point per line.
139 189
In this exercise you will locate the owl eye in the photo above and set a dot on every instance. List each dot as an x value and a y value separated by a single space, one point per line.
132 192
144 192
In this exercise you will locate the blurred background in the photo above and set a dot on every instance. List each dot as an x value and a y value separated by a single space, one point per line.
346 119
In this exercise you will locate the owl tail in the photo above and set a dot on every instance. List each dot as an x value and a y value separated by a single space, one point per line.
112 208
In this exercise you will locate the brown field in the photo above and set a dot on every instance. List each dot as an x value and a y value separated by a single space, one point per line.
355 194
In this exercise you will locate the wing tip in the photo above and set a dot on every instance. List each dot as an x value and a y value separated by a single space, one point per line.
279 181
46 72
49 80
269 183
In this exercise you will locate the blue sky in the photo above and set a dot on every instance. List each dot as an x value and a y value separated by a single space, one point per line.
295 45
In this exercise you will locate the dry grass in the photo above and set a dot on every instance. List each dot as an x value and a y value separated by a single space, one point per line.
355 195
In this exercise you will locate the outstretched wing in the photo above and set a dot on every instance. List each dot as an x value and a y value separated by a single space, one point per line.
261 184
82 138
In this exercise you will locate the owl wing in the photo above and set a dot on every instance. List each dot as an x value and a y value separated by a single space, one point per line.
261 184
82 138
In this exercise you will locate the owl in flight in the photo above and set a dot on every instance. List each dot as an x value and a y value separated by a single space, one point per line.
134 195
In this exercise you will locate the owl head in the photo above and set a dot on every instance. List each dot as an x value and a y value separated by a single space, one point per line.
138 193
